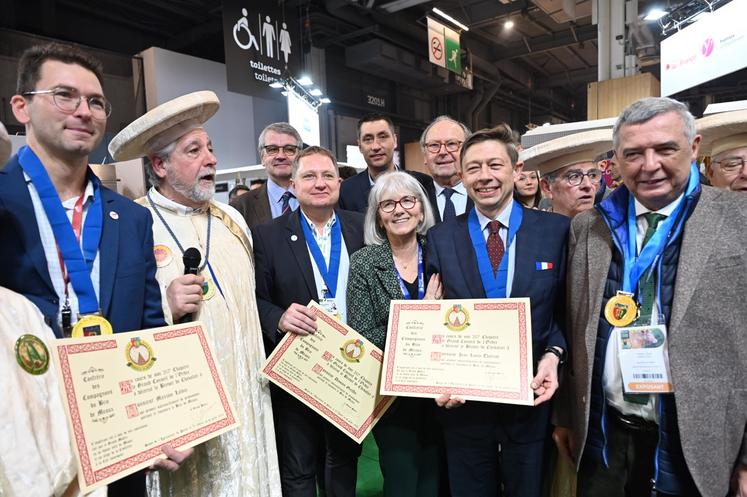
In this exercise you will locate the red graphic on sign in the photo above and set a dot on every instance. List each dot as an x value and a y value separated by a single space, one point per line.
437 48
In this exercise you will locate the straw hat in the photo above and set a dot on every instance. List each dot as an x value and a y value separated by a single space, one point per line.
5 145
722 132
567 150
163 125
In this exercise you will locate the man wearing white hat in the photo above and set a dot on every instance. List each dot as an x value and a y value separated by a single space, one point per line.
725 141
569 174
182 167
79 251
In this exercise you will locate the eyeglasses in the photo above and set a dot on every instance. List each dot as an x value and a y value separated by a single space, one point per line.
407 203
731 165
68 100
575 178
435 147
274 149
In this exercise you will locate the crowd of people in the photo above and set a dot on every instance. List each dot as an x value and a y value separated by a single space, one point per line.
662 250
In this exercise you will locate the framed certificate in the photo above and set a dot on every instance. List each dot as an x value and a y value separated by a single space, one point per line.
475 349
127 394
335 371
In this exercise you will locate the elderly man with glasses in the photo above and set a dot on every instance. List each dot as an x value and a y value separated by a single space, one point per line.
725 140
570 176
278 145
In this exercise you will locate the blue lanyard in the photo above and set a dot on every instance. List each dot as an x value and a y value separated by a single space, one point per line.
329 276
493 284
421 278
667 230
79 264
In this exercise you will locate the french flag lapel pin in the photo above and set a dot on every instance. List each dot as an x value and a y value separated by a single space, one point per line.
544 266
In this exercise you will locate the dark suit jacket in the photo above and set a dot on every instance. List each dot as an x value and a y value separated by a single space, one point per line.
129 294
254 206
354 192
542 237
283 266
430 191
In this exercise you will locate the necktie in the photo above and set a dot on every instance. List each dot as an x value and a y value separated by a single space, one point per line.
449 210
495 245
646 293
286 197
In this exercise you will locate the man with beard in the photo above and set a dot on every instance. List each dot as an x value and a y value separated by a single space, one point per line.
441 143
182 167
725 141
376 142
569 174
278 144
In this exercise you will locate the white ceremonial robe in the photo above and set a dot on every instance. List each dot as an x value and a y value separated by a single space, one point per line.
242 462
36 455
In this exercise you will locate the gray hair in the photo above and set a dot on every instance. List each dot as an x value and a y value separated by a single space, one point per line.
646 109
397 181
280 128
162 154
465 129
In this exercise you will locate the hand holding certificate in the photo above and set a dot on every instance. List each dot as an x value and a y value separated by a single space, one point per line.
473 349
335 371
128 394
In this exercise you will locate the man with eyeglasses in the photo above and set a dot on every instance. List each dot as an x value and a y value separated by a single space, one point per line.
666 256
441 143
725 141
301 257
79 251
278 145
569 175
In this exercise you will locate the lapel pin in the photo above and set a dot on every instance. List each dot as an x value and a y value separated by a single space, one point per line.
294 238
113 215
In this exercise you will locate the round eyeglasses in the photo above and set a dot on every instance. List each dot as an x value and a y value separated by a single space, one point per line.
731 165
450 146
575 178
68 100
407 203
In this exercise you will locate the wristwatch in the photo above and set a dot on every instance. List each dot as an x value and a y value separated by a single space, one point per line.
556 351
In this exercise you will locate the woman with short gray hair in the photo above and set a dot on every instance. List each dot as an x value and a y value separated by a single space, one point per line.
391 267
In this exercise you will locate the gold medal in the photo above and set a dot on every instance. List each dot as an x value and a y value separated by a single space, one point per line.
621 310
32 354
208 289
92 325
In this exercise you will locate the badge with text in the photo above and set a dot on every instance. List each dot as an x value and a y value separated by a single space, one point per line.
621 310
32 354
92 325
644 359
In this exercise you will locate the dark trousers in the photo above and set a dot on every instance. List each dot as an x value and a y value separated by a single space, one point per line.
630 455
408 439
300 432
481 461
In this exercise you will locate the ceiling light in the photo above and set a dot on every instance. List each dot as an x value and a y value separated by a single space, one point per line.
655 14
325 100
316 92
276 84
449 18
305 81
508 24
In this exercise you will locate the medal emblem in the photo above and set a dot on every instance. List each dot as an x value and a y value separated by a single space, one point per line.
139 354
353 350
208 289
163 255
457 318
32 354
92 325
621 310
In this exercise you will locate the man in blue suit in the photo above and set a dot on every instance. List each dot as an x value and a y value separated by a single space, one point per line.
498 249
52 207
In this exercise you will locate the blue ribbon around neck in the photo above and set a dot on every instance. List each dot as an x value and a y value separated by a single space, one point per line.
329 276
421 278
493 284
79 264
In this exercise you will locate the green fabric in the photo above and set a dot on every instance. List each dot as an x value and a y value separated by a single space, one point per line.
370 482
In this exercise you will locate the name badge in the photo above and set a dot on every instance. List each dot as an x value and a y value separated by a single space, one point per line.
330 306
643 352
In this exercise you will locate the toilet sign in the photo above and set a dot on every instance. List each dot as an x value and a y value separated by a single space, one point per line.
262 44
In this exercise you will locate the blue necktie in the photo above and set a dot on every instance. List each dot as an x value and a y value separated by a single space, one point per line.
449 210
286 197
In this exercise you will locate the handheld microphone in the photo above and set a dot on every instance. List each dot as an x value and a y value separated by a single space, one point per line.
191 260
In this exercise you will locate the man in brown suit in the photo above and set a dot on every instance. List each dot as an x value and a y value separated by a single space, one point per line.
646 256
278 145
